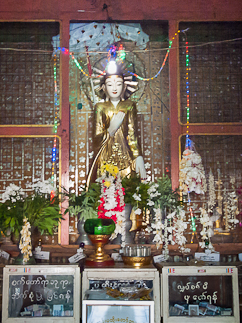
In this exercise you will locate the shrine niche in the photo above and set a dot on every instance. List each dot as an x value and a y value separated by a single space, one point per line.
151 98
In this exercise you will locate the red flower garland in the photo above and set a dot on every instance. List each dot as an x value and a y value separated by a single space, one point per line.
119 208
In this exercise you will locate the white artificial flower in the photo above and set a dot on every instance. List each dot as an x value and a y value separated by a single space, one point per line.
45 187
157 238
158 225
137 197
202 244
148 229
138 211
169 229
150 203
171 215
12 191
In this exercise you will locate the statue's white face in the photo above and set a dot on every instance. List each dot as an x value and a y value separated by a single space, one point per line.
114 87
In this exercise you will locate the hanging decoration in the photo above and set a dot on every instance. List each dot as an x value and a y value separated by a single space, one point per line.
226 212
120 53
211 192
207 230
98 36
219 209
25 245
158 227
192 179
171 232
232 208
191 175
54 149
179 227
169 216
239 192
162 66
192 218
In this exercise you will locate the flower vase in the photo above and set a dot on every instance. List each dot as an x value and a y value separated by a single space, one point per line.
20 261
6 240
83 236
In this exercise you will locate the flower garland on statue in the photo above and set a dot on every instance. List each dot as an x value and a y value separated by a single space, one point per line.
25 241
112 199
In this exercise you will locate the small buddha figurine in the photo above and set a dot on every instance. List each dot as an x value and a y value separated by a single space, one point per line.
115 136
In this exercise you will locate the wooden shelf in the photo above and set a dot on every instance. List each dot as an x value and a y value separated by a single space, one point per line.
69 250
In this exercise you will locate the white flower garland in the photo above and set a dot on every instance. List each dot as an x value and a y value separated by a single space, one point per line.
120 225
207 230
231 207
25 241
159 227
173 234
211 190
179 226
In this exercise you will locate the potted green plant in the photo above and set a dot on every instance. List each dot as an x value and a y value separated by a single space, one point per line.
84 206
40 210
136 196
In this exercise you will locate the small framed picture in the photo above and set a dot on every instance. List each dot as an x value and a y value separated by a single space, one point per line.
193 310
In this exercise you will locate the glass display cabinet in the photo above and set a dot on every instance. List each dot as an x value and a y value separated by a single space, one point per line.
199 294
121 294
43 293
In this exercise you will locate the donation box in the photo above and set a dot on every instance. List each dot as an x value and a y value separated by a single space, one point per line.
200 294
41 293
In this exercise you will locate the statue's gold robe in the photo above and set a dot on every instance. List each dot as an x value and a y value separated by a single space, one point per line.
123 148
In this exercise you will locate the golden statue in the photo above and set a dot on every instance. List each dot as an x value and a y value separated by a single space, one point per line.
115 136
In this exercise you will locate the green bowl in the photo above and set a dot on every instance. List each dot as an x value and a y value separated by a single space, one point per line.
99 226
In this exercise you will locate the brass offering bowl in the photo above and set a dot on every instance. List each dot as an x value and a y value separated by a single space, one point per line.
135 261
99 258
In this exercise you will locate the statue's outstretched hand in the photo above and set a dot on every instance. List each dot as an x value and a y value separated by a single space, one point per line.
140 167
116 122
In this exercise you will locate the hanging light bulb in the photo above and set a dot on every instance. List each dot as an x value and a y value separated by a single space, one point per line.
112 67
